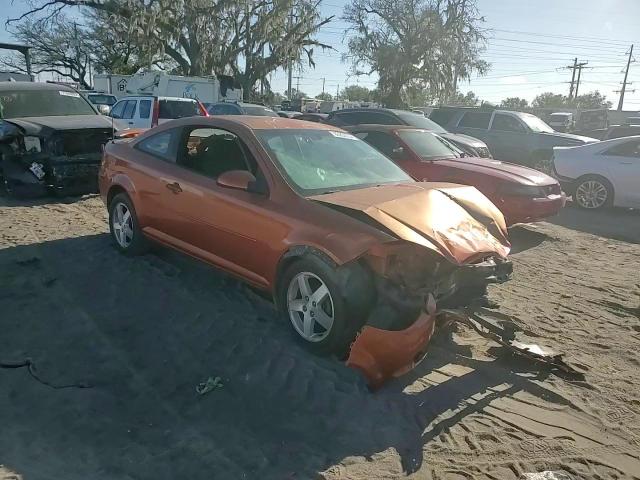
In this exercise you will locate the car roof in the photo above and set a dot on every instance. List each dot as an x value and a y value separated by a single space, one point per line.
381 128
177 99
268 123
34 86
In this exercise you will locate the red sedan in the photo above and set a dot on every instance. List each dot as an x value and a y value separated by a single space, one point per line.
521 193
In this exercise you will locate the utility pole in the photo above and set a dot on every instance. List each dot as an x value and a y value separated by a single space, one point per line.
625 83
580 66
337 91
573 76
323 79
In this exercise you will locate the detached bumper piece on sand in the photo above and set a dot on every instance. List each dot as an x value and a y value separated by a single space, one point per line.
38 160
451 245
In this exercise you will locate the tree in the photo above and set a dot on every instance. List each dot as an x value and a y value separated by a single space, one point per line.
468 100
418 43
556 100
514 103
324 96
114 49
295 93
356 93
550 100
59 46
204 37
593 100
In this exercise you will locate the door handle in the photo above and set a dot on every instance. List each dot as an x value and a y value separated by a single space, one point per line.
174 187
130 123
626 163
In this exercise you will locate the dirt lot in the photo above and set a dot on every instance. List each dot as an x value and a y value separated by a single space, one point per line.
143 332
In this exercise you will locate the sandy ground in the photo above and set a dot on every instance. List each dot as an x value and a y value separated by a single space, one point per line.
143 332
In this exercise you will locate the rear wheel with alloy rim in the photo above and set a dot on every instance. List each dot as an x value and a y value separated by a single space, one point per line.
124 228
593 192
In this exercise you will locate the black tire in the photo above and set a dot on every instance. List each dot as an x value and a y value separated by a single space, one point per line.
138 244
345 326
579 199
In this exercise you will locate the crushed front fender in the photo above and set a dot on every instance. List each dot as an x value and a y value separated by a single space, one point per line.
383 354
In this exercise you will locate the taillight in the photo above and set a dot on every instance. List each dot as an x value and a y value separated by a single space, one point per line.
203 111
156 113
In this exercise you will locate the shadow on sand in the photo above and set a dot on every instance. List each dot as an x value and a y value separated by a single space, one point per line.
144 331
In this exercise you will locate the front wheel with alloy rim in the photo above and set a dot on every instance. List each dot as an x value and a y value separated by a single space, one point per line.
310 299
124 227
593 192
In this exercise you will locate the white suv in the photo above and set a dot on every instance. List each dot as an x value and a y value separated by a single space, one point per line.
146 111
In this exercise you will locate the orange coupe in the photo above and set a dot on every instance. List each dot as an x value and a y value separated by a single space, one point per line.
357 255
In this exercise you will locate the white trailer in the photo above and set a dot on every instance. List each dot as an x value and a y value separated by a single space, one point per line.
204 89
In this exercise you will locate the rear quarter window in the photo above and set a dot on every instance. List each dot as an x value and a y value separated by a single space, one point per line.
442 116
170 109
161 145
475 120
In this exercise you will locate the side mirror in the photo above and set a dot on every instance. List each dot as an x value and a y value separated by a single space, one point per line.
238 179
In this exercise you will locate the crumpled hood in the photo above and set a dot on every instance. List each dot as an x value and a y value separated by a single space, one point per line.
503 170
456 221
42 126
464 139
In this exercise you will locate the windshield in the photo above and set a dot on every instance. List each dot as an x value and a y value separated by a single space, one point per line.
43 103
535 124
322 161
559 117
102 99
427 145
420 121
260 111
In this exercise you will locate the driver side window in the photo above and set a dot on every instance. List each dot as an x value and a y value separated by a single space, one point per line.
382 142
212 152
118 108
506 123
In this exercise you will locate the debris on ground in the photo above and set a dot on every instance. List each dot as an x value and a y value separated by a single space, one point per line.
212 383
504 334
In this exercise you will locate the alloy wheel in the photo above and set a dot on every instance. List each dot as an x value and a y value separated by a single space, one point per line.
310 307
591 194
122 225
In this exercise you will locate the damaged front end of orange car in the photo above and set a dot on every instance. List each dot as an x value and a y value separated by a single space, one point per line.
413 285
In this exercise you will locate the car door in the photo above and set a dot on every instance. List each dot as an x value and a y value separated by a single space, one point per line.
508 138
129 112
475 123
213 222
142 116
116 114
623 163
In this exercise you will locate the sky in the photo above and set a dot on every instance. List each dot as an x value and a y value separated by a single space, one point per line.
530 44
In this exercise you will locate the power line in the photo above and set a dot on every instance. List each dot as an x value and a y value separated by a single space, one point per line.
566 37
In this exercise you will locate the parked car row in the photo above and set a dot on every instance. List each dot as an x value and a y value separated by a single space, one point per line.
360 232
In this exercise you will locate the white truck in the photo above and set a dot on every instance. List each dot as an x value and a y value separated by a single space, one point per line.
204 89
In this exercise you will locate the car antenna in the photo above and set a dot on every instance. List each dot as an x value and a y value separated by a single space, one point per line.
113 130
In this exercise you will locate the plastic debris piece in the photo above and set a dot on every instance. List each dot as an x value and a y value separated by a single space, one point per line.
212 383
546 475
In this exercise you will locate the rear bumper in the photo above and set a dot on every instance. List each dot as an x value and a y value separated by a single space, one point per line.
525 210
